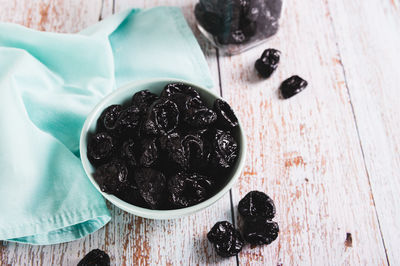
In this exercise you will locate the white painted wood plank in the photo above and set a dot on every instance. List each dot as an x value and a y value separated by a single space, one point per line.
304 152
368 34
51 15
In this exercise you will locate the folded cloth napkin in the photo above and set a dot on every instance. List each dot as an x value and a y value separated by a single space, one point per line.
48 84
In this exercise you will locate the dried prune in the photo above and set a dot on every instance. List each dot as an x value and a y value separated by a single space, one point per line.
143 99
131 193
200 117
193 149
100 149
172 145
162 117
152 186
128 153
226 118
292 86
109 117
260 230
226 239
149 152
268 62
179 88
96 257
189 189
257 203
224 149
112 177
127 121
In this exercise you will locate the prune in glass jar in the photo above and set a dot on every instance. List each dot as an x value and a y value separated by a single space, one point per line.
143 99
226 116
268 62
260 230
112 177
172 145
127 121
96 257
128 153
109 117
257 203
162 117
149 152
101 147
188 189
211 21
292 86
152 186
226 239
224 149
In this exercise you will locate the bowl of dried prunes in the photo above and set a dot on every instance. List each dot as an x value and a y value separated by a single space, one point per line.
162 148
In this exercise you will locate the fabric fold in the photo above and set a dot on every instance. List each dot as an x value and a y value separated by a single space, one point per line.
49 82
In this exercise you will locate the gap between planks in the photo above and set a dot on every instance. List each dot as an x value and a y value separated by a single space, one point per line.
230 191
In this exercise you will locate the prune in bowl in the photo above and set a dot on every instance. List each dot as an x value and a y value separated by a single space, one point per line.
172 138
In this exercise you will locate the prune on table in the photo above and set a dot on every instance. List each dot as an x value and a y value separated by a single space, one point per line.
127 121
143 99
149 152
112 177
100 149
260 230
268 62
162 117
292 86
188 189
152 186
224 149
173 147
226 239
257 203
128 153
109 117
226 118
96 257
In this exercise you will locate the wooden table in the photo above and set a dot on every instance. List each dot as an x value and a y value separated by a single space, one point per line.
329 157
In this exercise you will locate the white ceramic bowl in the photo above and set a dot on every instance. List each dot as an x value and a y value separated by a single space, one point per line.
125 94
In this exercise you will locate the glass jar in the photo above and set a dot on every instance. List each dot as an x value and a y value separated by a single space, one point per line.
237 25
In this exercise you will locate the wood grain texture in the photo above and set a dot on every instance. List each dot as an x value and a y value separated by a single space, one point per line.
370 62
304 152
51 15
329 157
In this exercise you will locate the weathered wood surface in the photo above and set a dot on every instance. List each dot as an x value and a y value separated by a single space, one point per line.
329 157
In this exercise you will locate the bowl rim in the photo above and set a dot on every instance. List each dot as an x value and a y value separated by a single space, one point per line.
144 212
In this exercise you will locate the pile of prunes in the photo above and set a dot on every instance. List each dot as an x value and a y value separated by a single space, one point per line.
165 151
257 209
239 21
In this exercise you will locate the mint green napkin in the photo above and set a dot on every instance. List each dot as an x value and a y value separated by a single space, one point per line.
48 84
